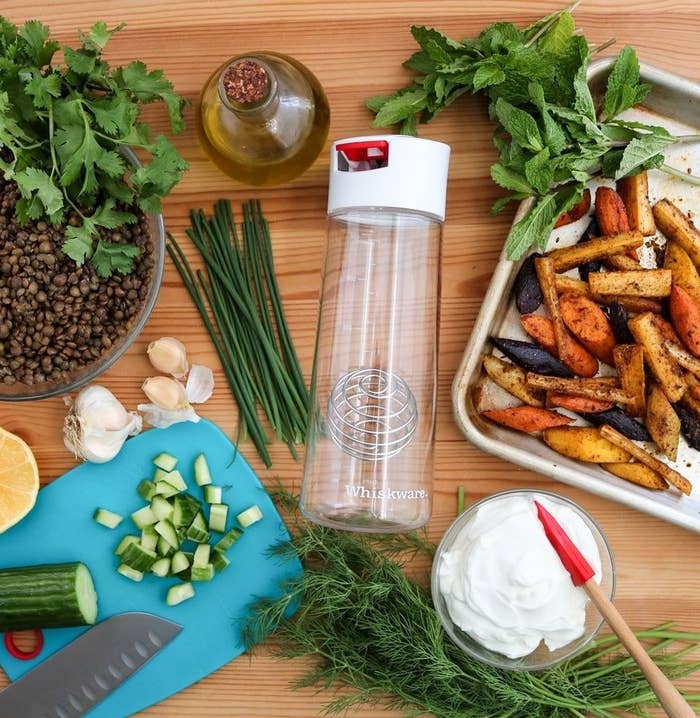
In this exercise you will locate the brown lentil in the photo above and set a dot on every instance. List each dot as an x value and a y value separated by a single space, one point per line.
56 319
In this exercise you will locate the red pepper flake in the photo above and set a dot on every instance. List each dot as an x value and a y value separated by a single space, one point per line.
246 82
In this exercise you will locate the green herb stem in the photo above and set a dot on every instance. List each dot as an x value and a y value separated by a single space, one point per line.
689 178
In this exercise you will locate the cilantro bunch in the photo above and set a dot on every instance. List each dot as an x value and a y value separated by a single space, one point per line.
549 137
62 131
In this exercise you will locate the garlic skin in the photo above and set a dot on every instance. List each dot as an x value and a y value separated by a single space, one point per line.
97 425
200 384
168 355
165 393
163 418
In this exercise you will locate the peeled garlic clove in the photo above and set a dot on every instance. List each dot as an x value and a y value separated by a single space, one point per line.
200 384
163 418
165 392
168 355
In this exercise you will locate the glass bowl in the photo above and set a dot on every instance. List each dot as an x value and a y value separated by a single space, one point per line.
83 375
542 657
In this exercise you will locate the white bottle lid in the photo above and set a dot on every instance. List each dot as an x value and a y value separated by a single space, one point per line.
395 171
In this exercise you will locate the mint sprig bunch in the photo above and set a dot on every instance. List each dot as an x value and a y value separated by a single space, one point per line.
549 137
62 129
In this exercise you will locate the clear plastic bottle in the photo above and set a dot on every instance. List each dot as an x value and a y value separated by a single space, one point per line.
369 460
263 118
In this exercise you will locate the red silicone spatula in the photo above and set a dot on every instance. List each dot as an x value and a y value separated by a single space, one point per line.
582 575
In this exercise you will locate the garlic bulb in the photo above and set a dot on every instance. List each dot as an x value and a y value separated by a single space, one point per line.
165 392
97 425
169 356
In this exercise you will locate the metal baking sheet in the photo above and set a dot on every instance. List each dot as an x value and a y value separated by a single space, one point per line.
674 102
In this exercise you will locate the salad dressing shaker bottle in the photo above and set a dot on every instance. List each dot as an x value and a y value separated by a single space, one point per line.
263 118
369 458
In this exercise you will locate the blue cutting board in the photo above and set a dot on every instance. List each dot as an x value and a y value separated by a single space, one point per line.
60 528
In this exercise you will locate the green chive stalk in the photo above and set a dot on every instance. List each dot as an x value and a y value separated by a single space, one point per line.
238 299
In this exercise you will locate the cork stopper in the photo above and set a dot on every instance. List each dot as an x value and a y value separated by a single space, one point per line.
245 83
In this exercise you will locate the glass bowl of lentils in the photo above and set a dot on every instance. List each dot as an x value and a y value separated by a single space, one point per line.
62 325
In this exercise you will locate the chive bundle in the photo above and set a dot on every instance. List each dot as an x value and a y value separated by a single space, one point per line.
238 299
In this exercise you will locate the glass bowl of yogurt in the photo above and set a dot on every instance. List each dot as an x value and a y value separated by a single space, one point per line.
502 593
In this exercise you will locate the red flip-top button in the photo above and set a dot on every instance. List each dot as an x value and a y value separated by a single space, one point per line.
365 151
16 652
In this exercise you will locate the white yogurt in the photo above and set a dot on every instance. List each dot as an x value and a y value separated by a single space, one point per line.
504 584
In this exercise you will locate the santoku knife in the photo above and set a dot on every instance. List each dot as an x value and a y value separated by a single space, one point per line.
75 679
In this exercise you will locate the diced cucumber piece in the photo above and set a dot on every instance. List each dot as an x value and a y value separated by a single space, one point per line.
121 547
160 475
149 538
166 529
213 494
185 508
138 557
166 489
202 475
144 517
201 555
197 530
219 560
179 562
228 539
129 572
165 461
174 478
107 518
146 489
162 508
202 573
178 594
251 515
218 514
164 548
161 567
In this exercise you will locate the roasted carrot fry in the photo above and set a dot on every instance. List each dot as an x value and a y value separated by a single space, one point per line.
576 212
578 358
578 404
583 443
527 418
610 212
644 457
592 388
684 273
685 315
587 322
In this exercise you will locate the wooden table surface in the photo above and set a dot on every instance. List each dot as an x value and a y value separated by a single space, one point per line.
356 49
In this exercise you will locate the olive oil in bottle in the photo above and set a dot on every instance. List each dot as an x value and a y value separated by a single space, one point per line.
263 118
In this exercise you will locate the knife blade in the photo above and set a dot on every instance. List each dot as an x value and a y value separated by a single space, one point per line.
75 679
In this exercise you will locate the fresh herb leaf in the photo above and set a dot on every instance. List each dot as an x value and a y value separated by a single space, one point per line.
488 74
110 257
624 89
520 125
639 152
560 32
509 179
401 107
62 127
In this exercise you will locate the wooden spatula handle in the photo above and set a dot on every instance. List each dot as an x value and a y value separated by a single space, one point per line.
670 699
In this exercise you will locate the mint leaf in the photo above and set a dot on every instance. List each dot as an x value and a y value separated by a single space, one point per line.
509 179
519 125
377 102
502 202
400 107
639 152
488 74
35 184
539 171
110 257
556 38
624 89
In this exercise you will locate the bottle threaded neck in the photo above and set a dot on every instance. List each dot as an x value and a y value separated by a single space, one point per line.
245 84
